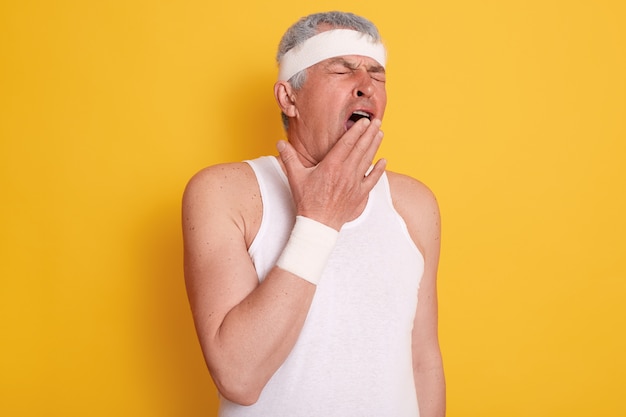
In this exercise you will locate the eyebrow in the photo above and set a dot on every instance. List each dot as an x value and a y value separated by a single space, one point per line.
376 68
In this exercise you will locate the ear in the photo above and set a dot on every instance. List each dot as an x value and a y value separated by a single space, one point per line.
285 97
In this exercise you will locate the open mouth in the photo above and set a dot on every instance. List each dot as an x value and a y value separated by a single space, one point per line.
356 116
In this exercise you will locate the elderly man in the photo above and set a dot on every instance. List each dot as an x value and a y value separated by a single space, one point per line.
312 275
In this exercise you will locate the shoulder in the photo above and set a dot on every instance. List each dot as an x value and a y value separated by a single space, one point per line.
220 178
224 185
223 193
411 194
418 206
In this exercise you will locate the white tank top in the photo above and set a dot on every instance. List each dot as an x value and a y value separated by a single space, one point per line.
353 356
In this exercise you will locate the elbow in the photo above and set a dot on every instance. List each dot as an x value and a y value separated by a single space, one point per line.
239 390
237 378
239 396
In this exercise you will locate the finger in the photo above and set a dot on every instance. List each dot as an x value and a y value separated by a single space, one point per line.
345 145
365 161
374 175
289 157
365 149
367 139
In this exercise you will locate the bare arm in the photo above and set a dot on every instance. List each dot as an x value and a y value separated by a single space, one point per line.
247 329
418 207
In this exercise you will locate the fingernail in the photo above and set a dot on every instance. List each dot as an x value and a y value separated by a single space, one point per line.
281 145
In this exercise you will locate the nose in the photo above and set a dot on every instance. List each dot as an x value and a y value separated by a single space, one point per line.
363 86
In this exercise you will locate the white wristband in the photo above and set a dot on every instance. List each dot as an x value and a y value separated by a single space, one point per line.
308 249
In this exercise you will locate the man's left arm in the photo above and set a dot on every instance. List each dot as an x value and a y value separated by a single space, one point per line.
418 207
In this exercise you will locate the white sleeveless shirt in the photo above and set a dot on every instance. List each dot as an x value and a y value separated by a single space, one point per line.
353 357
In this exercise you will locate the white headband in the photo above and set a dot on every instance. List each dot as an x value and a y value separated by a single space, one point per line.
329 44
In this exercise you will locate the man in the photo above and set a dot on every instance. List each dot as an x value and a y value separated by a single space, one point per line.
312 276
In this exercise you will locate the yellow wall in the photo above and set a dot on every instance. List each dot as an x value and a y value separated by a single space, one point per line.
513 112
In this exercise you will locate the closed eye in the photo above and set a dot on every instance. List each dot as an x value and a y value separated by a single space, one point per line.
340 66
378 74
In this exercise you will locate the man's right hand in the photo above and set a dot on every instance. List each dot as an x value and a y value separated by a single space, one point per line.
335 190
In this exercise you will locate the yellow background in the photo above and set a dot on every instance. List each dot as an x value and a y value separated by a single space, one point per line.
513 112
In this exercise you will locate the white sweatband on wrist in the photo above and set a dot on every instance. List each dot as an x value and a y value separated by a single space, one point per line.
329 44
308 249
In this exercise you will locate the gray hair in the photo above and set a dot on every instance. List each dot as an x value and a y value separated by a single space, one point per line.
307 27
